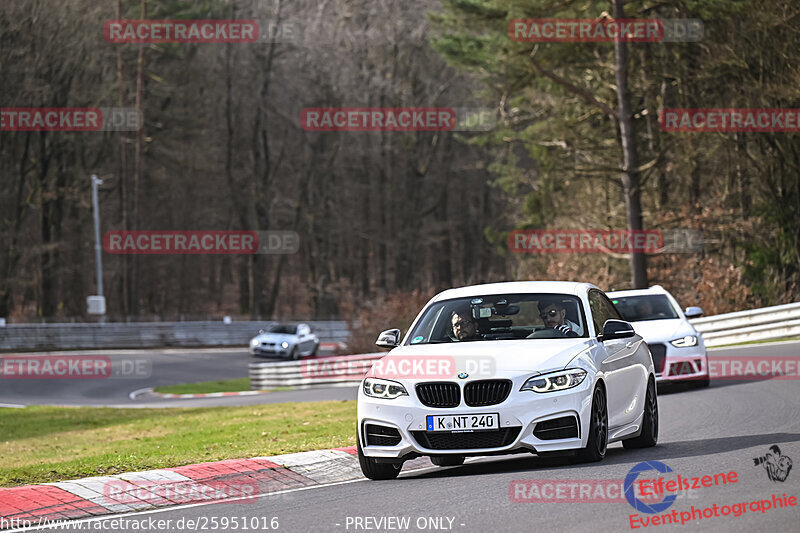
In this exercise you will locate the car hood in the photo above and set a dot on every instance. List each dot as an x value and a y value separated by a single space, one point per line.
663 330
506 356
276 337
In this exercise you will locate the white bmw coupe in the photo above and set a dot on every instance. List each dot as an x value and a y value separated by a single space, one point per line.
533 366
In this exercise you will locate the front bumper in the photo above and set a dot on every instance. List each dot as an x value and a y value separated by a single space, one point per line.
276 351
519 414
680 364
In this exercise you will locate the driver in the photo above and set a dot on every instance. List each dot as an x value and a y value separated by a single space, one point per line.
645 308
554 315
465 327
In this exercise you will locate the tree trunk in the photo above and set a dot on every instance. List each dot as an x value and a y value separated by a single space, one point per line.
237 198
12 255
630 156
138 167
127 289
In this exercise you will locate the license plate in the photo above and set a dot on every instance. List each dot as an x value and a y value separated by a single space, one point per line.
468 423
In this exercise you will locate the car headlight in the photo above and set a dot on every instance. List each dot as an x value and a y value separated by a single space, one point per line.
383 388
253 342
685 342
284 345
555 381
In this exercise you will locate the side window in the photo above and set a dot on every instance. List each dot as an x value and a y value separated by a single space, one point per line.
611 311
598 309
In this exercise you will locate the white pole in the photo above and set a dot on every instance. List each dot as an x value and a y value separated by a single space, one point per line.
97 244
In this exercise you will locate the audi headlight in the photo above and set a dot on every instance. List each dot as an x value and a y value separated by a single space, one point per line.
254 342
685 342
555 381
383 388
284 345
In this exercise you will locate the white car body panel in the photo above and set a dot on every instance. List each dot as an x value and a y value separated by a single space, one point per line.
623 365
679 364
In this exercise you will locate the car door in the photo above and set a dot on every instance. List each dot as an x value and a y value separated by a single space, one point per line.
305 342
622 375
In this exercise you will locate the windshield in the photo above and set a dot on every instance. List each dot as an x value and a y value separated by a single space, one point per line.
647 307
281 328
501 317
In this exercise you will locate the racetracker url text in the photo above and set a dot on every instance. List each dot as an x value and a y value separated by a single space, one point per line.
202 523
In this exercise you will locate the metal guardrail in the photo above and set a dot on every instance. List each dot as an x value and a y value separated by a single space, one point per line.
312 372
40 337
766 323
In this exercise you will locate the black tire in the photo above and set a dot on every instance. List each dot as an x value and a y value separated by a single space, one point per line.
447 460
649 435
596 446
294 354
375 470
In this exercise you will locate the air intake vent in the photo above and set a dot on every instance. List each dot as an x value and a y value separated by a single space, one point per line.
466 441
565 427
381 435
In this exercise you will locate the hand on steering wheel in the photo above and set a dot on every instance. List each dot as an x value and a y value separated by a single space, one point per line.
562 329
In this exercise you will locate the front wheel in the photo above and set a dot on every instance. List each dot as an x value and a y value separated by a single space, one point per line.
294 354
595 448
373 469
649 435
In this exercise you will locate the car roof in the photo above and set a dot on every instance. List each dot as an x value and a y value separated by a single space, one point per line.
520 287
655 289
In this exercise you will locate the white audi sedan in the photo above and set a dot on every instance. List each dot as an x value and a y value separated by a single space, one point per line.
533 366
678 351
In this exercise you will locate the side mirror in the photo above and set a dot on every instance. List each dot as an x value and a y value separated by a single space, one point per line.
388 339
617 329
693 312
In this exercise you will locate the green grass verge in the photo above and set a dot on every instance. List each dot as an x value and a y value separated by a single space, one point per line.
42 444
225 385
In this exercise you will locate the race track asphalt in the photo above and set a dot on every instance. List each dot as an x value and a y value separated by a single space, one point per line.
143 369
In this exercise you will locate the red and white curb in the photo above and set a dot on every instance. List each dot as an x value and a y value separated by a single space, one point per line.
239 480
